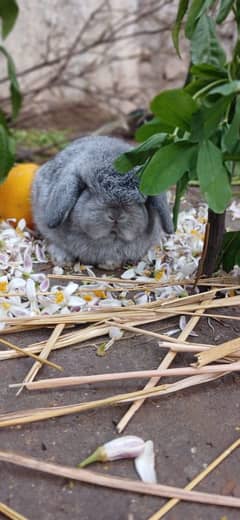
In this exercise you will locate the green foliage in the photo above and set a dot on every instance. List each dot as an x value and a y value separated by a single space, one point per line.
200 122
16 98
224 10
33 138
175 108
230 254
8 16
213 176
182 9
166 167
205 47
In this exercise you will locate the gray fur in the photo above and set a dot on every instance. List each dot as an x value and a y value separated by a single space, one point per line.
87 211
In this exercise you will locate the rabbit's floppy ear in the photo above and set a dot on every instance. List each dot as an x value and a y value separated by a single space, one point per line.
161 204
63 195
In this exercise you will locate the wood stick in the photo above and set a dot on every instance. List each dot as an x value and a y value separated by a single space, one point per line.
43 355
153 381
30 354
64 341
112 482
119 376
171 503
42 414
11 513
218 352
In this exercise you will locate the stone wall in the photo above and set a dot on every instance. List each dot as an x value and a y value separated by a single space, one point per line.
107 54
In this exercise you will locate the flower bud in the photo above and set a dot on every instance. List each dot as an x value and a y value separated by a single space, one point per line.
127 447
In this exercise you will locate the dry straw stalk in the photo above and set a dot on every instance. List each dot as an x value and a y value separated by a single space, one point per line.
109 481
203 474
11 513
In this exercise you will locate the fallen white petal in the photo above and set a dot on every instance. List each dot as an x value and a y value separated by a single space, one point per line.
115 332
128 274
145 464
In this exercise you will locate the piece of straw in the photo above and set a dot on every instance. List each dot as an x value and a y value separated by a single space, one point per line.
112 482
168 359
218 352
42 414
43 355
24 352
171 503
11 513
120 376
67 340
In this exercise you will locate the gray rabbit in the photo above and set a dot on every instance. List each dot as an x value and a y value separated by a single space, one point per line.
88 211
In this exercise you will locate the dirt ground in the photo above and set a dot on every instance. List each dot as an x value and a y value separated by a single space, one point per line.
189 429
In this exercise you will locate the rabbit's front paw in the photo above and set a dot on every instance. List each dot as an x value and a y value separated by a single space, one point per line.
109 266
59 256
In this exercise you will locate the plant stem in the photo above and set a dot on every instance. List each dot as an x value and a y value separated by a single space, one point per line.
216 230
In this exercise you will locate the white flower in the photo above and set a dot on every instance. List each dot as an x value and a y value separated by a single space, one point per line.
235 209
115 332
129 274
126 447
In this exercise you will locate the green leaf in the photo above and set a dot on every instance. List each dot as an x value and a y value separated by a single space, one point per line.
229 255
195 86
150 128
205 122
208 71
224 10
166 167
6 153
197 9
16 97
138 156
205 47
3 121
231 138
182 8
8 14
232 87
175 107
213 177
180 190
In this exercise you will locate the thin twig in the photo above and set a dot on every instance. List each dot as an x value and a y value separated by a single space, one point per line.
24 352
11 513
119 376
43 355
112 482
153 382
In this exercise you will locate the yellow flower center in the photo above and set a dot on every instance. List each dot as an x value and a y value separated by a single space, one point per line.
159 274
5 305
87 297
197 234
59 297
3 286
19 232
100 294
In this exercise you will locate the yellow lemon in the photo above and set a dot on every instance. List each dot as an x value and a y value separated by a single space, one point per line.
15 193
